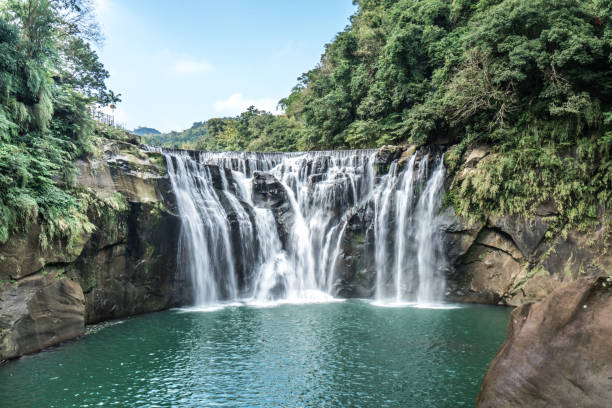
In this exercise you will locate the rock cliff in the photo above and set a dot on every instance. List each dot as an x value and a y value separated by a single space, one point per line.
128 263
125 266
513 260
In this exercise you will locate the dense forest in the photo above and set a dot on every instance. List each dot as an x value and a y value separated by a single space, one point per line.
531 79
49 77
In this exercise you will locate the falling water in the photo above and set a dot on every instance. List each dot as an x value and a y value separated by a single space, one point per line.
232 248
408 249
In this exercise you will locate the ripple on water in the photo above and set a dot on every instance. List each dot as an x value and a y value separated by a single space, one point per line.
324 354
417 305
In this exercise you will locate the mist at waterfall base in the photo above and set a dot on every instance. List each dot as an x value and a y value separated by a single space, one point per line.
233 249
316 355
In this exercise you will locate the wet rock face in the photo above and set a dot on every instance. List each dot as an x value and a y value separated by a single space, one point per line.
270 193
511 260
385 156
220 177
507 260
268 190
128 265
355 267
136 273
557 352
527 234
492 264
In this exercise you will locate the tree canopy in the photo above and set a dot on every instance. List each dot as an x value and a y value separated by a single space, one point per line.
49 74
529 78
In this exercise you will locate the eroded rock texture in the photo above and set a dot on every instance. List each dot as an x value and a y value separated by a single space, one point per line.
557 352
269 192
40 311
510 260
125 266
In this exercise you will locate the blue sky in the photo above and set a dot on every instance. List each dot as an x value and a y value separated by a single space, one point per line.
178 62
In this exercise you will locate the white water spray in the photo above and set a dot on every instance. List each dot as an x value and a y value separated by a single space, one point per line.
232 250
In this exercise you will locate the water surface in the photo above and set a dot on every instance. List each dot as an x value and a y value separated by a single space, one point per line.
337 354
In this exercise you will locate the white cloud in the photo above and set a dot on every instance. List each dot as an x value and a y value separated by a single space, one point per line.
237 103
185 66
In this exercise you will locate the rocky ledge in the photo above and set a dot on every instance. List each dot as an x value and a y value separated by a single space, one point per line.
557 352
125 266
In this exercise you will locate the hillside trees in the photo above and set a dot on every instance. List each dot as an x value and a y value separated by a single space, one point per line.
529 78
252 130
48 76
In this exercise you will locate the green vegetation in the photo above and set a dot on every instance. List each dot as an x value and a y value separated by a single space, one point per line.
252 130
184 139
529 78
49 75
142 131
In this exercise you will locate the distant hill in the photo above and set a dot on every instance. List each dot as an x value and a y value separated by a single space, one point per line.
141 131
185 139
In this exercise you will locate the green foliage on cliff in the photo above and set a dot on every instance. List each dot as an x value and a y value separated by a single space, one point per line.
49 74
529 78
535 83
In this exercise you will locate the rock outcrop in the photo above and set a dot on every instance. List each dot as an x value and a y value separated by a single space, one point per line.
508 260
270 193
125 266
39 311
513 260
557 352
385 156
355 267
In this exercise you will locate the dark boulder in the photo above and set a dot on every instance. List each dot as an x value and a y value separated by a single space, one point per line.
221 177
385 156
270 193
355 266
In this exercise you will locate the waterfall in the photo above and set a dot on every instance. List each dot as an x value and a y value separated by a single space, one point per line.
409 253
205 244
262 227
